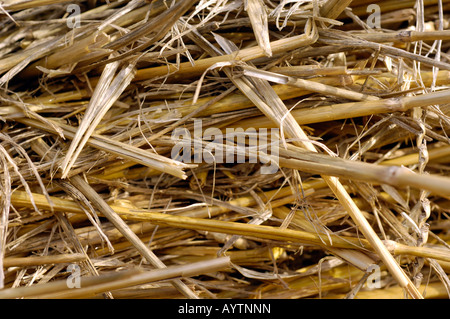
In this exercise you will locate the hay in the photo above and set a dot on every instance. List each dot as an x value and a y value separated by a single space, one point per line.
224 149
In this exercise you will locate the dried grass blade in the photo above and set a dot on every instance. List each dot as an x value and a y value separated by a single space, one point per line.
258 18
106 93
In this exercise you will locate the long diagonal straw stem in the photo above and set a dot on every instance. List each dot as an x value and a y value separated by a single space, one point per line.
102 206
280 115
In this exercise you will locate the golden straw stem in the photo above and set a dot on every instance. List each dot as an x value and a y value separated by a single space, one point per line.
248 54
169 273
42 260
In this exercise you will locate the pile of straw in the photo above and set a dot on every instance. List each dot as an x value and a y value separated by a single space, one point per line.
114 121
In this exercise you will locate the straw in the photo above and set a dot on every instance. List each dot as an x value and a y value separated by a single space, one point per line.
306 141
